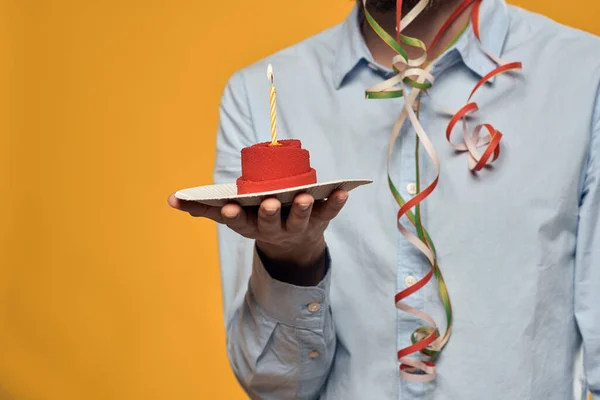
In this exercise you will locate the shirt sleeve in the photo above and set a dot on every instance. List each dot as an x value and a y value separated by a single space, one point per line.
280 337
587 267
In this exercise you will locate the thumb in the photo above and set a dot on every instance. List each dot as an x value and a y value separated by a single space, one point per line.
196 209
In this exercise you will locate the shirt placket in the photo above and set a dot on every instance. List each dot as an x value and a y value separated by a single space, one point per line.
412 265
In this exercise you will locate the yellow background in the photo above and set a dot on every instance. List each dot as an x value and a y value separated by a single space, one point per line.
105 108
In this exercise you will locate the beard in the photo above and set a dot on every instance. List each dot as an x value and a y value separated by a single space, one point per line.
390 5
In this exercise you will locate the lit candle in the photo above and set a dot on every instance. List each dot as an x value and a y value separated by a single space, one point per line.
273 100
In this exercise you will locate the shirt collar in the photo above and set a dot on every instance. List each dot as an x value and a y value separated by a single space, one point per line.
494 24
351 47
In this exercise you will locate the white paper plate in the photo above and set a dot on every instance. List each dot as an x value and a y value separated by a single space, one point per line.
218 195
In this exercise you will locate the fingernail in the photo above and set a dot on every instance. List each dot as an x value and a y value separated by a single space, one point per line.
270 211
230 215
304 206
342 199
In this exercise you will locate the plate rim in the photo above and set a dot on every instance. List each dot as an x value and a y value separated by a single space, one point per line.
267 193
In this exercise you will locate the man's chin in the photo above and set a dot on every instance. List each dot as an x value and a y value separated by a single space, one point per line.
390 5
382 5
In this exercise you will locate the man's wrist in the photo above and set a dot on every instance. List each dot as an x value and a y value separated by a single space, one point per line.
305 256
299 267
288 302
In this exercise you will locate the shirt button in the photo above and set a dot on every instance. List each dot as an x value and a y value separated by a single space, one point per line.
410 280
314 307
313 354
411 188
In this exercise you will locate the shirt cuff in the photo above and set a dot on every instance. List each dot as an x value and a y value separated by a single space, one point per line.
298 306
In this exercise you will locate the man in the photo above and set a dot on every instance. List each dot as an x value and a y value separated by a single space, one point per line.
309 299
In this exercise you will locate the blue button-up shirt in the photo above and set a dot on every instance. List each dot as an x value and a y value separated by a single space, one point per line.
518 243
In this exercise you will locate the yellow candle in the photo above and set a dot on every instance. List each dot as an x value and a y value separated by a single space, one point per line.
273 101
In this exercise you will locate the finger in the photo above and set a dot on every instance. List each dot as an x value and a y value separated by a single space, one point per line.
237 219
329 209
196 209
299 216
269 218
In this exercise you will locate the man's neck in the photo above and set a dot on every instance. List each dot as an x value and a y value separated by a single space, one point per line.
424 27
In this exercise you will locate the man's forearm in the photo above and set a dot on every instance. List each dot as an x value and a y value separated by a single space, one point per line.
281 341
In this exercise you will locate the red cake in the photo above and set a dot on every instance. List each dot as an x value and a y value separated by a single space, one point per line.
266 167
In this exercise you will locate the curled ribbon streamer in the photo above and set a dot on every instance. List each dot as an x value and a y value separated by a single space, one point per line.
475 161
429 340
414 73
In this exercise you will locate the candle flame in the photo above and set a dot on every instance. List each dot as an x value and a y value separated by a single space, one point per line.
270 75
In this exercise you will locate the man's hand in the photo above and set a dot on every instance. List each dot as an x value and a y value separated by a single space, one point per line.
297 240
